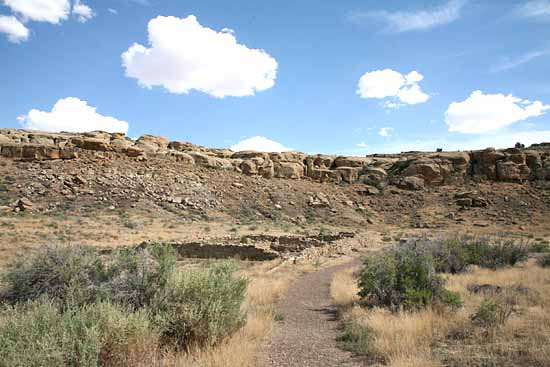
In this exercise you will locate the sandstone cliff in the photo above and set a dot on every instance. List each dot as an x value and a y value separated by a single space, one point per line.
413 170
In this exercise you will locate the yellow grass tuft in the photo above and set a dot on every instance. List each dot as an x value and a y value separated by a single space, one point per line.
344 289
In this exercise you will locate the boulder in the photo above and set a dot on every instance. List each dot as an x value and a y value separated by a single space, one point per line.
375 173
411 183
484 162
134 152
350 161
510 171
11 151
221 153
181 146
294 170
5 140
121 145
470 199
249 154
456 158
204 160
349 174
23 204
95 144
319 161
152 143
249 167
41 139
182 157
431 171
324 175
267 170
288 157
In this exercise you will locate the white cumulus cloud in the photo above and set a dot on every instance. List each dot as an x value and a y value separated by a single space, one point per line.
51 11
82 12
362 145
260 144
403 21
389 83
15 30
183 55
481 113
385 131
73 115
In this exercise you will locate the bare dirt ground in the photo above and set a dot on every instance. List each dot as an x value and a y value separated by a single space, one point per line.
307 335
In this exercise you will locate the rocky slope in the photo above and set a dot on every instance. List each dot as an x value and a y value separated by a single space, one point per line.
108 190
411 170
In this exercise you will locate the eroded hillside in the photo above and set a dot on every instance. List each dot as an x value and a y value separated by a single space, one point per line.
107 190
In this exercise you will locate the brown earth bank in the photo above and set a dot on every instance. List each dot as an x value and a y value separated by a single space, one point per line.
108 190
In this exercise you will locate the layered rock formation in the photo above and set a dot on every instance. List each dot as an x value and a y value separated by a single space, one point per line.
413 170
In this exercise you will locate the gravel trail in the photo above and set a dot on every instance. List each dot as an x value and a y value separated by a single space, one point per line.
307 335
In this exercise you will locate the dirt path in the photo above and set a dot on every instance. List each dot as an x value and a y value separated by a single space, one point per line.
307 335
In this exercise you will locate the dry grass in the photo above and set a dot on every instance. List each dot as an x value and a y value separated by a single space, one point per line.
343 288
437 338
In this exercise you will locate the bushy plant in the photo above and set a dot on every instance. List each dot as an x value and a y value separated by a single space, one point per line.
540 247
69 274
38 334
74 308
137 275
402 278
493 312
544 261
102 334
505 253
201 307
127 338
77 276
454 255
357 338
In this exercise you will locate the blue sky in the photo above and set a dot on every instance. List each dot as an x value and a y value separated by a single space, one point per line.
343 77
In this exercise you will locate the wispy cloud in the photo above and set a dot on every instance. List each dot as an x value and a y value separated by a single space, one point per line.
140 2
404 21
535 9
511 63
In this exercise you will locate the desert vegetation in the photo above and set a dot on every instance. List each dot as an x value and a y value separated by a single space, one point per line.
448 302
72 306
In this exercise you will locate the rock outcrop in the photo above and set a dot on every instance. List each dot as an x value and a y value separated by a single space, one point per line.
410 171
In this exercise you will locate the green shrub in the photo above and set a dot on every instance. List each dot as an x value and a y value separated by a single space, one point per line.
503 254
493 312
201 307
127 338
38 334
357 338
540 247
450 299
69 274
118 308
454 255
102 334
402 278
77 276
138 274
544 261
